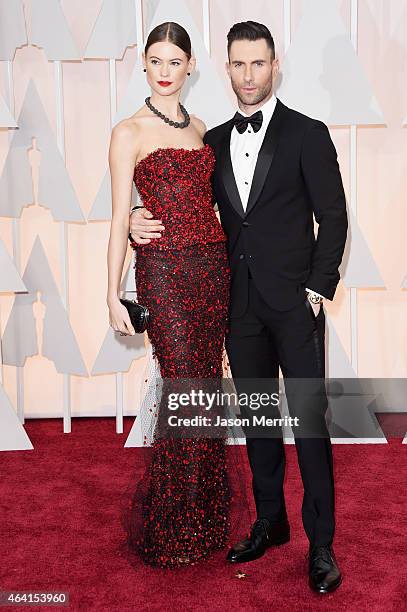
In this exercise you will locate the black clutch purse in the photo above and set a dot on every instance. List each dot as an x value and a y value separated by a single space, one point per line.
139 315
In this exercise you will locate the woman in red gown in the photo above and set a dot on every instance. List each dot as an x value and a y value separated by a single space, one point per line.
179 512
183 278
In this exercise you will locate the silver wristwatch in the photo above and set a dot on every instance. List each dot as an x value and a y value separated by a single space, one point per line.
314 298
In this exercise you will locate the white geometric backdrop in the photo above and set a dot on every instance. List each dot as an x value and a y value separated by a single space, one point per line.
63 87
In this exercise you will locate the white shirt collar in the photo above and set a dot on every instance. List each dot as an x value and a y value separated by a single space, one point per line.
267 109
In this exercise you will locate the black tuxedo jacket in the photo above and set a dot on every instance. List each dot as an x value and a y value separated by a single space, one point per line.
297 175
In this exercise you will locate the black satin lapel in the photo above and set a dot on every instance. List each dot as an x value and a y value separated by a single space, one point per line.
266 155
226 172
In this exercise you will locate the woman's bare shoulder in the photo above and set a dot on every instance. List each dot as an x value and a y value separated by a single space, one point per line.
130 124
124 131
199 125
128 132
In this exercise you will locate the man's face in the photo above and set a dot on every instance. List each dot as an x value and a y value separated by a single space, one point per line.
252 70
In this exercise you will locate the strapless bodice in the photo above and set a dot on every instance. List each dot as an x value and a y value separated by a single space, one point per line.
174 184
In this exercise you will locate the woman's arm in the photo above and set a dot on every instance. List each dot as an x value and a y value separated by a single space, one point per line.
122 156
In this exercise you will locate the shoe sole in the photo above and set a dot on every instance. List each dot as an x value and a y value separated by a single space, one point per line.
242 560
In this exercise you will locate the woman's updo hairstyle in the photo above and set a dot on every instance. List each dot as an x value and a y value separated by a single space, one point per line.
171 32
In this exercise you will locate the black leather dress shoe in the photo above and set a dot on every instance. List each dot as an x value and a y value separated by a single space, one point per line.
263 534
324 574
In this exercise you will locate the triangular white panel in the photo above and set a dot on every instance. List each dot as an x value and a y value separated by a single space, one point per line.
12 434
115 30
33 120
128 284
396 15
49 30
10 279
118 352
338 431
200 90
404 283
6 118
55 190
102 206
395 24
16 189
321 73
58 332
20 334
149 11
135 437
12 28
350 413
358 268
337 362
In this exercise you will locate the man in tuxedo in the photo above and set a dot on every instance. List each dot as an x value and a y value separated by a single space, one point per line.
275 169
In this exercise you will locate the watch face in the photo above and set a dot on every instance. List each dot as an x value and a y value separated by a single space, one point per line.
315 299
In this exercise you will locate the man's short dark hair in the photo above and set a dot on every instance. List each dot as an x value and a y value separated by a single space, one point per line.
250 30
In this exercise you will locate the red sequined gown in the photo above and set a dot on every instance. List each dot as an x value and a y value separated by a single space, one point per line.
181 509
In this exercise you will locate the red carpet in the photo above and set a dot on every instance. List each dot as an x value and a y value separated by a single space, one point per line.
60 529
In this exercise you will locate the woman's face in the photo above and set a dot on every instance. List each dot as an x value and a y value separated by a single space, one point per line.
167 66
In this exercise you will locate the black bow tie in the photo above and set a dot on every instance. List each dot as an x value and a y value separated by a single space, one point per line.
241 122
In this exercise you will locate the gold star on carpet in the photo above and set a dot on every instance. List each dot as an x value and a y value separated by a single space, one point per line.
240 574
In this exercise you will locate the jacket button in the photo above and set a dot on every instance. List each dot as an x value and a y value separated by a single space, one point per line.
241 256
245 224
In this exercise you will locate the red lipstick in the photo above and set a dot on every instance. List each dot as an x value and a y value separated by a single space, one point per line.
164 83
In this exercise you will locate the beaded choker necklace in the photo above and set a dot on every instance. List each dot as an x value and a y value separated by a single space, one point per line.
176 124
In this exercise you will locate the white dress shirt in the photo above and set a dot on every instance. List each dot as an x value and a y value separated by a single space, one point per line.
244 149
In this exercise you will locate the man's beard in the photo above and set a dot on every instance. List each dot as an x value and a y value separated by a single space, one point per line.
253 100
